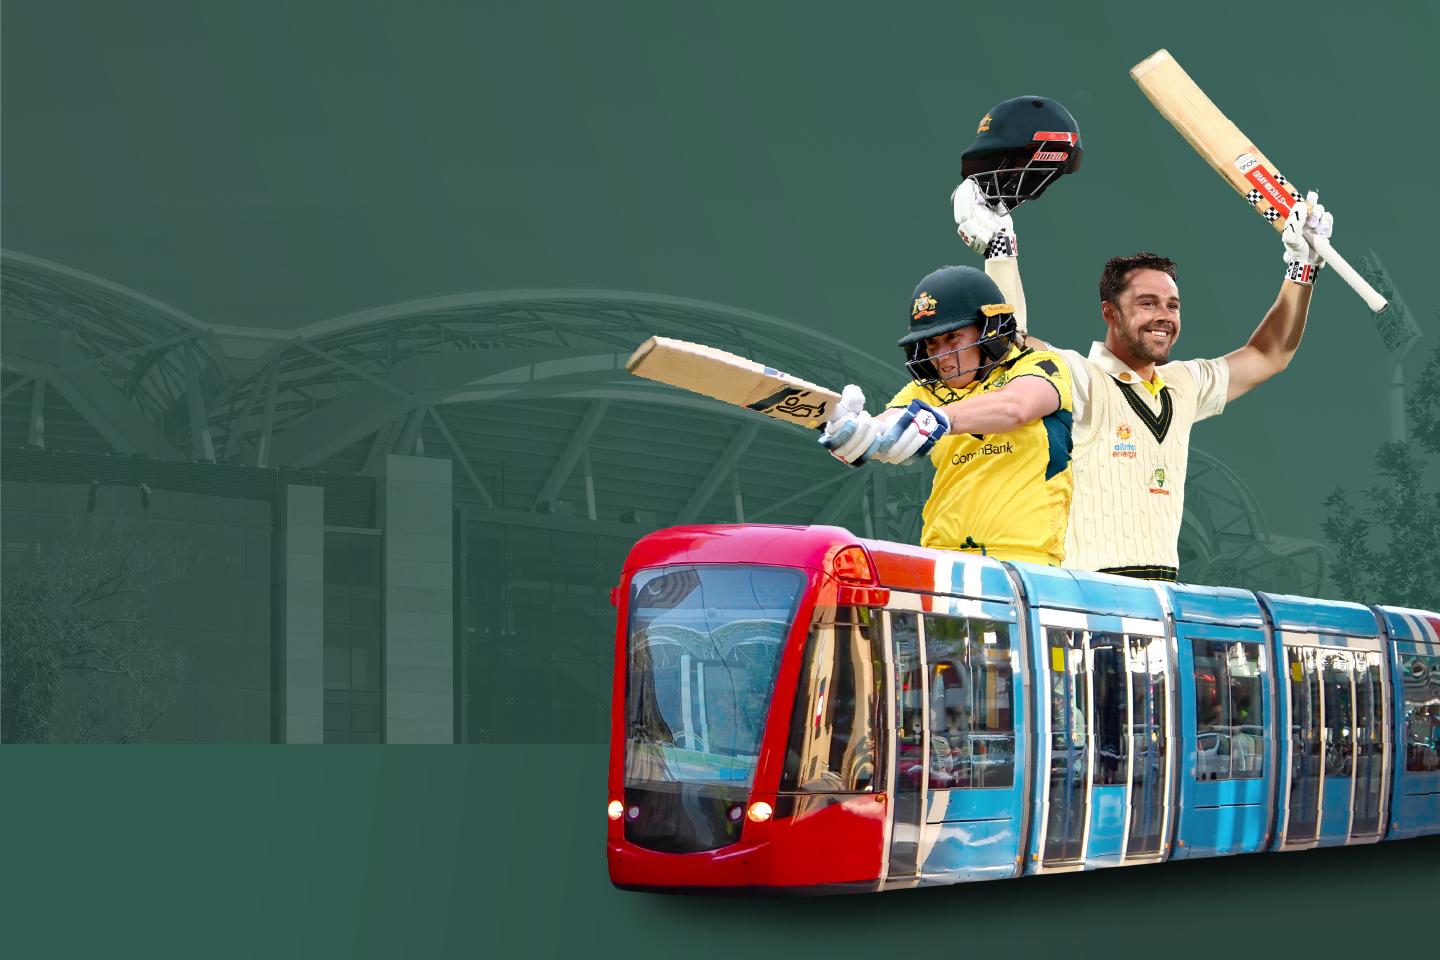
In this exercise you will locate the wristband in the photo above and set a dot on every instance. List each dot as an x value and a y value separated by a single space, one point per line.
1002 245
1301 272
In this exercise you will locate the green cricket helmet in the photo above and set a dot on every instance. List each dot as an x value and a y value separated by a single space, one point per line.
950 299
1024 145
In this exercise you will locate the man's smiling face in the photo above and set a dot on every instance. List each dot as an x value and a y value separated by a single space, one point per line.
1146 320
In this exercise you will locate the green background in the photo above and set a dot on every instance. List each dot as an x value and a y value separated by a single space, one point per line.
498 851
279 164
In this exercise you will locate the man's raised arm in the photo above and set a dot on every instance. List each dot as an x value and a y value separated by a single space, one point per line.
1277 338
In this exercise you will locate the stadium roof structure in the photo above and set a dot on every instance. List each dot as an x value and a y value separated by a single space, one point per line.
525 391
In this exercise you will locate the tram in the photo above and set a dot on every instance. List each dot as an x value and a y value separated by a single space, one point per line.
800 711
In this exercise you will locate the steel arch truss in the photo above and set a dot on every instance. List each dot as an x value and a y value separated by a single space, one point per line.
501 383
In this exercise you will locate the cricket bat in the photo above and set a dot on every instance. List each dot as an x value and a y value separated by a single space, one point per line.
1235 158
724 376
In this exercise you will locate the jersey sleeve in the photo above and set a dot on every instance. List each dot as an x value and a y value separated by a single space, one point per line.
1079 384
1051 368
1212 382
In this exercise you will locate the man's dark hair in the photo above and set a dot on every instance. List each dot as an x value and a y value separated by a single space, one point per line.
1116 276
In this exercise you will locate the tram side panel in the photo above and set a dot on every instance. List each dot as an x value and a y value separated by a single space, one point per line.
959 722
831 800
1228 720
1104 696
1415 665
1334 681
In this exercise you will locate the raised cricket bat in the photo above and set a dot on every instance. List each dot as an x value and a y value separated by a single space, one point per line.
1235 158
724 376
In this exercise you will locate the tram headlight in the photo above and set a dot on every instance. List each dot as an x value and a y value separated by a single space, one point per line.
616 810
760 811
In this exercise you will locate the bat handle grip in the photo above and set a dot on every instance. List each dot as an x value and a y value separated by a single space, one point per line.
1347 273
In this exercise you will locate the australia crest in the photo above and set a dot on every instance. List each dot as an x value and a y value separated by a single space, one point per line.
925 306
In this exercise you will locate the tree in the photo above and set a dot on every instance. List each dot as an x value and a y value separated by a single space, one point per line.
79 614
1388 545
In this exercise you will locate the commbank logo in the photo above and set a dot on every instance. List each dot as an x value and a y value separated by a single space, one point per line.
985 450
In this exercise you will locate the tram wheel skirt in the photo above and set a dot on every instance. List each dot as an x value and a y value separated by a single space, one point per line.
759 890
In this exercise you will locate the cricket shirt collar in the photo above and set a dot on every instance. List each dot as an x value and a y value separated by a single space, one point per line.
1101 356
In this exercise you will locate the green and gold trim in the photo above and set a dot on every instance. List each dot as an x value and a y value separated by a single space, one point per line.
1144 572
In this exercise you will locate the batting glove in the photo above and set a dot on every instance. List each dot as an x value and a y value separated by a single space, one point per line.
1302 262
980 225
913 434
851 435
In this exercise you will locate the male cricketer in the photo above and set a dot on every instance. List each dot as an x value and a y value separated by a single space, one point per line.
1134 407
993 415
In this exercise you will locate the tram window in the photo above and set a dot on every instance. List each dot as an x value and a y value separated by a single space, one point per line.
1337 676
1229 711
972 703
1421 679
834 726
1108 688
704 648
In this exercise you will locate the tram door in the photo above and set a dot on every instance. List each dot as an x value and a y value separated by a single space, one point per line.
1303 816
956 805
1068 788
1108 746
1338 744
1150 754
910 760
1371 745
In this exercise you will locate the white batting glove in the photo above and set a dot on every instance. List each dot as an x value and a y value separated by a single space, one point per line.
850 434
912 435
982 226
1307 219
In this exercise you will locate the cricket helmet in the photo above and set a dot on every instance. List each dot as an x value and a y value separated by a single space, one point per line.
1024 145
950 299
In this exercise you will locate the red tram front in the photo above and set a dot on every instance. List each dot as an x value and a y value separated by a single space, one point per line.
717 744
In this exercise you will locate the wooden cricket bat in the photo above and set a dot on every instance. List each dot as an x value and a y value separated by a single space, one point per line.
724 376
1235 158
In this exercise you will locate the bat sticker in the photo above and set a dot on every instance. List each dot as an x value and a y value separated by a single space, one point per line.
788 402
792 407
1266 183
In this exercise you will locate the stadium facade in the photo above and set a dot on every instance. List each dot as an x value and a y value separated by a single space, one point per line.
402 525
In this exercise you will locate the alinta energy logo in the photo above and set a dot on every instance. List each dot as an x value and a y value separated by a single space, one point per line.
1157 482
1123 446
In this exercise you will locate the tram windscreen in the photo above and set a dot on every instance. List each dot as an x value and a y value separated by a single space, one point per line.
704 648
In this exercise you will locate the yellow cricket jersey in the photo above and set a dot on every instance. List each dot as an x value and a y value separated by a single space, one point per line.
1004 495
